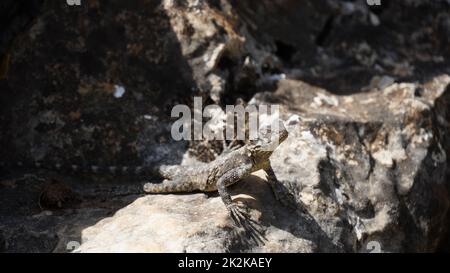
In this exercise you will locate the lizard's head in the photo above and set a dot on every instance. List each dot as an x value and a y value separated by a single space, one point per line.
269 137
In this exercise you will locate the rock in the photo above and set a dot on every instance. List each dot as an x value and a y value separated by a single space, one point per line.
95 84
231 45
107 67
373 169
83 79
17 17
166 223
30 223
375 176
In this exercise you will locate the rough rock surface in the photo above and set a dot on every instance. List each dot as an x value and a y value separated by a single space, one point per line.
373 166
95 84
84 78
377 175
165 223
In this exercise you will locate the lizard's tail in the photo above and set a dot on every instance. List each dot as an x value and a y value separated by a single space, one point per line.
79 168
169 186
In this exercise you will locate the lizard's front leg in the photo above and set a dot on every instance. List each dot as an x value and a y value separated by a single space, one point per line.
278 189
227 179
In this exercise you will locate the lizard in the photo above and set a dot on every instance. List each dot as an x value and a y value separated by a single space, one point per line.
225 170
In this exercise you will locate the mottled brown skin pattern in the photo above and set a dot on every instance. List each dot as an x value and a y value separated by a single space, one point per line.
226 170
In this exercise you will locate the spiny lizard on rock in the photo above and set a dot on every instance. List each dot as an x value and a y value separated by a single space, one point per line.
226 170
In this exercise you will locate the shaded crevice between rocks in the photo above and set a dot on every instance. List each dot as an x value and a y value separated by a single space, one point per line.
348 215
414 211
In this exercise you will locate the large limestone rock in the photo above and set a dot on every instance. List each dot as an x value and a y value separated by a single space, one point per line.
365 170
371 167
197 223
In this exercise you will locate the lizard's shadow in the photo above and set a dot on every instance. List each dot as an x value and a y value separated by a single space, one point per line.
256 193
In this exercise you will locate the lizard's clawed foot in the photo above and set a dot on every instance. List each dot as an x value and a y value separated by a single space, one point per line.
238 214
242 219
232 146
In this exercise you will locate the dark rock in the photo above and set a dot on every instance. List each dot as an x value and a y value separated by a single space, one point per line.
62 101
